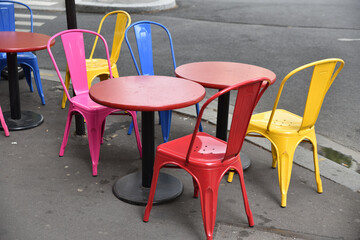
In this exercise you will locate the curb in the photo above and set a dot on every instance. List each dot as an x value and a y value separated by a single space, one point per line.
139 6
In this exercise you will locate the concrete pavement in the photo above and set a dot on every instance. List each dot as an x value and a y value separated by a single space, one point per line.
47 197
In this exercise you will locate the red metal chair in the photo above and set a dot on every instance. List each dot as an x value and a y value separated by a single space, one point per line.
208 158
3 123
93 113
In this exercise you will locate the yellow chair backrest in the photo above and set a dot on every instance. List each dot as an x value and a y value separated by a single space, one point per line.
123 21
322 77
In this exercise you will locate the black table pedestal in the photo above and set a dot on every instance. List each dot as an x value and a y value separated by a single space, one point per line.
135 187
129 189
27 120
17 119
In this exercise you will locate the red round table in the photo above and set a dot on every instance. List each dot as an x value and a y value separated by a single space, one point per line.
220 75
12 43
147 94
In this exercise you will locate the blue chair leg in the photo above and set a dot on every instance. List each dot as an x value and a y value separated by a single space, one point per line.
27 73
159 118
165 124
197 114
38 84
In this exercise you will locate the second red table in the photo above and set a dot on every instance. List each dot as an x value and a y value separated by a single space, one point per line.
220 75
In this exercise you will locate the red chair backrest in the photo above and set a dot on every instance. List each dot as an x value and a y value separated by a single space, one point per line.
248 94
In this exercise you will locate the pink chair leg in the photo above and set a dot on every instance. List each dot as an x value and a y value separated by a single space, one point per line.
137 135
66 132
239 170
94 130
3 124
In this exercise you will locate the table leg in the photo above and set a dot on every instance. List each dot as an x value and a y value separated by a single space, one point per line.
17 119
135 187
222 123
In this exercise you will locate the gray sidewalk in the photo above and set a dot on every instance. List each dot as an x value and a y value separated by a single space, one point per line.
48 197
44 196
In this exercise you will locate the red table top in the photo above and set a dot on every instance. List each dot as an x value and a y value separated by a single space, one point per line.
23 41
220 75
147 93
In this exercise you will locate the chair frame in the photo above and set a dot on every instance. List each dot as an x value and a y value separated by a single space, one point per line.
3 124
147 67
207 173
27 60
283 144
123 21
95 117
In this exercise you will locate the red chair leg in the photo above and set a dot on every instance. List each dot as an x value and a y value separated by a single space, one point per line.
209 186
152 192
240 172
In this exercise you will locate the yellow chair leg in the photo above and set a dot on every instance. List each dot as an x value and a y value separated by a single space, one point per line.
274 156
115 71
316 168
285 163
231 176
67 84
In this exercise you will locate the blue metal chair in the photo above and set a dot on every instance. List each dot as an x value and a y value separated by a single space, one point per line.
27 60
142 31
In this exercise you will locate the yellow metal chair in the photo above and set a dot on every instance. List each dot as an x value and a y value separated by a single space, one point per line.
285 130
97 67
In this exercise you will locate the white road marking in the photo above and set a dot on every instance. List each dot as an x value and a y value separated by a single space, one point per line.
348 39
47 17
39 3
27 23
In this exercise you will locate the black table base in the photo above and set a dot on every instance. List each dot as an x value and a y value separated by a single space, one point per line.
129 189
27 120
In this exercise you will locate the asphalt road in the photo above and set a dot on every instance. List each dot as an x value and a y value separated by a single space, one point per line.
276 34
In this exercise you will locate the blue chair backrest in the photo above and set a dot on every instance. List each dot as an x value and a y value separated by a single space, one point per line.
7 15
142 31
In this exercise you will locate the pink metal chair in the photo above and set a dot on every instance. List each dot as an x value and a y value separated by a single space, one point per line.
208 158
93 113
3 123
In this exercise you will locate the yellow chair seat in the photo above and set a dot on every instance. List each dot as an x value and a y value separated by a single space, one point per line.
284 122
97 64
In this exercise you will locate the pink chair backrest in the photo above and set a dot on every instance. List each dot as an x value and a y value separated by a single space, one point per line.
248 94
73 43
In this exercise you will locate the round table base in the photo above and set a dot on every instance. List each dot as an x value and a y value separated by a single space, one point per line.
28 120
129 189
245 161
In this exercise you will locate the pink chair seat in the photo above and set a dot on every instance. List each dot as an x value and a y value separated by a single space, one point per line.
85 102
